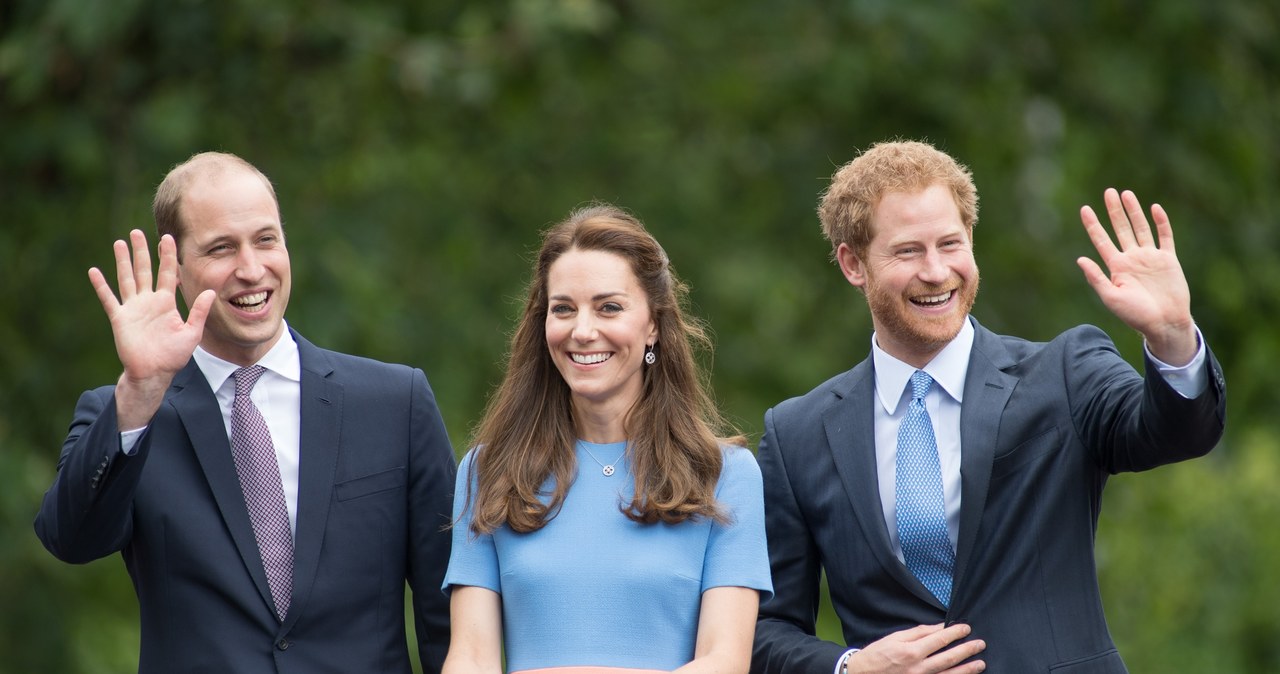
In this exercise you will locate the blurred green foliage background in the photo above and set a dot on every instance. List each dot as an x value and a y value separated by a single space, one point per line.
419 147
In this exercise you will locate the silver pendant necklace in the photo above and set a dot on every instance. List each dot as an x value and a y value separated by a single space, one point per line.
606 468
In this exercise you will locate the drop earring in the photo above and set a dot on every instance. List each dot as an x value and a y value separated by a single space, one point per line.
649 356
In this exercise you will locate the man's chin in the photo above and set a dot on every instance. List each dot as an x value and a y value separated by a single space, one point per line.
251 336
934 335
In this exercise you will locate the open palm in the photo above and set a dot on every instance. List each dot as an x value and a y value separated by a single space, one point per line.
1145 286
152 339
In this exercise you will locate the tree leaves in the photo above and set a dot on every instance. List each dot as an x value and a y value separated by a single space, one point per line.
419 148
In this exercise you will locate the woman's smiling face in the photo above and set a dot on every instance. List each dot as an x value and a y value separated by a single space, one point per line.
598 325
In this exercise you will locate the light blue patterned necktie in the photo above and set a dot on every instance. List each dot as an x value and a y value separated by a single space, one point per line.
922 519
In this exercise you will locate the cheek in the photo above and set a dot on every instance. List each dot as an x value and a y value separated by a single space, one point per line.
964 263
639 332
554 333
194 280
281 266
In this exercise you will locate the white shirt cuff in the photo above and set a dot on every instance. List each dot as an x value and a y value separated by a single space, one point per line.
1189 380
844 659
129 440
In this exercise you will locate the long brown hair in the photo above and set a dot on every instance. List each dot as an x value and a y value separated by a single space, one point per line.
527 434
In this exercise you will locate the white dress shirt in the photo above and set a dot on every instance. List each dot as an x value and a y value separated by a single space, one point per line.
893 393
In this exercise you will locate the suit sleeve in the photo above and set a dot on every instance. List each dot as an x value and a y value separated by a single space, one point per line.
432 472
1135 423
87 513
786 641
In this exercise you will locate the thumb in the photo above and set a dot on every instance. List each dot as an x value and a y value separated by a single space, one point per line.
1094 275
200 309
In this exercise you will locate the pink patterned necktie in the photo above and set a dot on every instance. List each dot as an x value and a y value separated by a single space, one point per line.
255 458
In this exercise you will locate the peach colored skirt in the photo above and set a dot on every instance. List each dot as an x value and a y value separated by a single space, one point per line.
588 670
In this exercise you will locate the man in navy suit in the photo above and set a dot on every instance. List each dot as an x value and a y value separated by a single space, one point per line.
955 519
358 490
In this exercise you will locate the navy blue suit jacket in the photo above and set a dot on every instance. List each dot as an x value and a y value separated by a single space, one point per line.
375 487
1042 427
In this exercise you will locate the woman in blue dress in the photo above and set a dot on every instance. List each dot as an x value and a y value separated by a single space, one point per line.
603 524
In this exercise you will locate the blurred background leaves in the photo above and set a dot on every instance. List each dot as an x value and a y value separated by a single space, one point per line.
418 148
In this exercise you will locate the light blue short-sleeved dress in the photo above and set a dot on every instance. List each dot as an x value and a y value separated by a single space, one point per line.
595 589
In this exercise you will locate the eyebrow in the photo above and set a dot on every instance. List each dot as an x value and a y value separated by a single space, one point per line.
915 240
594 298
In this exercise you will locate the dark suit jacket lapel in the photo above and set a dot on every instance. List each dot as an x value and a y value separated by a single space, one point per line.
851 437
986 392
197 407
320 430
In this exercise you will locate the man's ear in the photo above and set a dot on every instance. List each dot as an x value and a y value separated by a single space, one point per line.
178 288
855 272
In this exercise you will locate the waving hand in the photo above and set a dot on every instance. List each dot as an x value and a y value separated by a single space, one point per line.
152 339
1144 285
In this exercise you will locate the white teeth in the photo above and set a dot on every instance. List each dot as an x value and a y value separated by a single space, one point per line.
933 299
250 300
590 358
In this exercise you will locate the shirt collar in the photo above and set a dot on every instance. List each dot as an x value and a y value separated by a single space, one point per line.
282 359
948 369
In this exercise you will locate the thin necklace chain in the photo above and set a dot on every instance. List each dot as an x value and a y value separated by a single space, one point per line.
606 468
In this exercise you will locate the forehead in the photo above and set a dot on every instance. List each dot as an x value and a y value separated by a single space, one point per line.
924 212
228 204
591 272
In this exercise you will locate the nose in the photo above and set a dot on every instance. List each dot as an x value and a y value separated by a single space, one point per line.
249 266
934 268
584 327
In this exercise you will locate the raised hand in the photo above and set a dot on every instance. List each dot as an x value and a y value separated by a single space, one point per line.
152 339
1145 286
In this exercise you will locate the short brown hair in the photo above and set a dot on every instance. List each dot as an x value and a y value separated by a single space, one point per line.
167 205
895 166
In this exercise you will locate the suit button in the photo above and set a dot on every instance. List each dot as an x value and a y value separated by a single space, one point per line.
283 644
